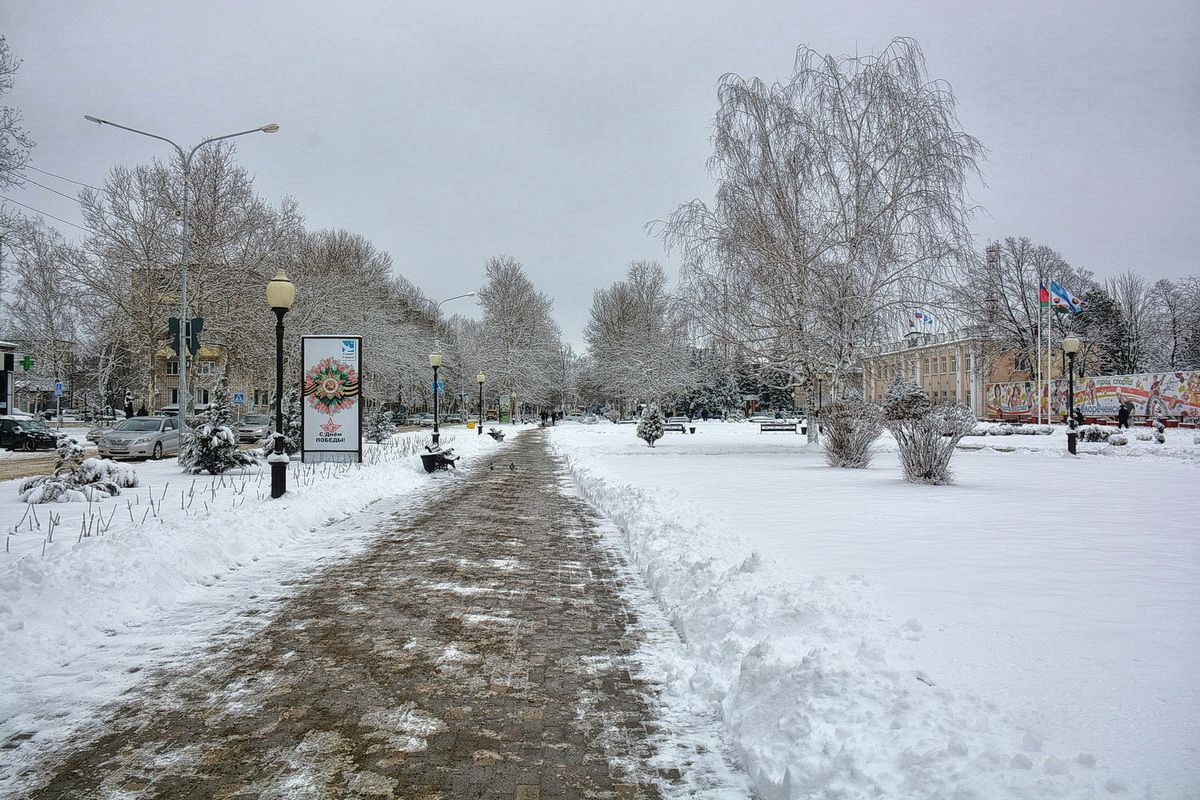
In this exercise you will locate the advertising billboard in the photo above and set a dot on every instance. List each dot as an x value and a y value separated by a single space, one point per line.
1153 394
330 385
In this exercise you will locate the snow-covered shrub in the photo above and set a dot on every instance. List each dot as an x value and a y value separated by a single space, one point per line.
926 432
77 479
650 427
379 427
1026 430
850 428
1145 436
1118 440
208 444
1001 429
1159 426
1045 430
1095 433
981 429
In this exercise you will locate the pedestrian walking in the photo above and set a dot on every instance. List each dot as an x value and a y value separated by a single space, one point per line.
1123 412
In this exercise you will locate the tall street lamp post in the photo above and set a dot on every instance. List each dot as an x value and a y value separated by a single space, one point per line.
281 293
435 361
185 397
480 378
1070 346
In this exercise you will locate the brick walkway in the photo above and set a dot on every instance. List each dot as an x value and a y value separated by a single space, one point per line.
482 648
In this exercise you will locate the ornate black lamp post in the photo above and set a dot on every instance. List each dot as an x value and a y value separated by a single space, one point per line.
435 361
1070 346
281 293
480 378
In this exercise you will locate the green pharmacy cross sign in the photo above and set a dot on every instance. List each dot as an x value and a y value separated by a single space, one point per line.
27 363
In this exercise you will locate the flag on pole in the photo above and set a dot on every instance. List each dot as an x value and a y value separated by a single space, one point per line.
923 317
1043 296
1063 300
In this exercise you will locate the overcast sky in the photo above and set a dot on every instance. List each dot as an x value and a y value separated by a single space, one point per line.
448 132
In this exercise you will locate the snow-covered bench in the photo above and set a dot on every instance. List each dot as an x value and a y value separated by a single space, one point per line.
436 458
677 427
781 427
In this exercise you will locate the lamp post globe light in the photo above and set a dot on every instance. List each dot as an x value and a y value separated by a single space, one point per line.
480 378
435 361
1070 346
281 294
185 396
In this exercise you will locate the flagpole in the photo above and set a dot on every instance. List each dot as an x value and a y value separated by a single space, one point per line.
1040 375
1049 365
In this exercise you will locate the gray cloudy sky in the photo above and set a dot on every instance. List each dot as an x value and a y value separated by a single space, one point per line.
450 132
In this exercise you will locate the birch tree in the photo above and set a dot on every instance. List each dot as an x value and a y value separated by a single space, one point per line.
841 202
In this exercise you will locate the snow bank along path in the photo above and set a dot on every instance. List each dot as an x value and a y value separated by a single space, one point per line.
78 623
826 692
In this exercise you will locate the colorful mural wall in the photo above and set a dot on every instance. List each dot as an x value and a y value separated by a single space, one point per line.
1154 394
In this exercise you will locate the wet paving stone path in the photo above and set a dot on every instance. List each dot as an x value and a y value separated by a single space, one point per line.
482 647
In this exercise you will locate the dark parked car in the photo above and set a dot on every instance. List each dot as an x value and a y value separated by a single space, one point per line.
26 434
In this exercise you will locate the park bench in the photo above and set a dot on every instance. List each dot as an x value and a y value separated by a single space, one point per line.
677 427
436 458
496 434
781 427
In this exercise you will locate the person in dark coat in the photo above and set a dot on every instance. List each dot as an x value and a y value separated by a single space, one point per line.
142 412
129 410
1123 412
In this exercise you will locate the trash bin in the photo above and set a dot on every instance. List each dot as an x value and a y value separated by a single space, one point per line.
470 424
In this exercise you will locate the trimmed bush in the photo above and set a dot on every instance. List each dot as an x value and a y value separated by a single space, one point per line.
850 428
1118 440
926 432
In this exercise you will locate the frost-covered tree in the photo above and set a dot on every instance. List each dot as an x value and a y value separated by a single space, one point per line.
291 421
379 427
208 443
650 427
14 142
522 343
926 432
850 426
637 340
841 201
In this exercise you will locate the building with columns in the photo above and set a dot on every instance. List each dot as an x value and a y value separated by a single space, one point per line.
953 365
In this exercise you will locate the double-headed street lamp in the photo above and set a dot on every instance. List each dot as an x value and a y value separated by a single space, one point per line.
1070 346
480 378
281 293
435 361
186 159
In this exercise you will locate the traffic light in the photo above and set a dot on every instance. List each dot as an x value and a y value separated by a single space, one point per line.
173 325
194 329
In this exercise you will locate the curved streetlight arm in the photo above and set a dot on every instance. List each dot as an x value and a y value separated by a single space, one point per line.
438 306
219 138
99 121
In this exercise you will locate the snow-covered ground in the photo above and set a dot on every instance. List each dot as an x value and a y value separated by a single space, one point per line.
168 565
1031 631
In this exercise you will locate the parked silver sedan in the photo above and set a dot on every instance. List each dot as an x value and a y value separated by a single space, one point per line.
141 437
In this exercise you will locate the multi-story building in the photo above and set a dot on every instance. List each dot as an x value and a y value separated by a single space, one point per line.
949 366
209 365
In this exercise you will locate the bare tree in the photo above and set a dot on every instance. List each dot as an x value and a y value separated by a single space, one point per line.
15 143
636 339
522 339
999 294
841 202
